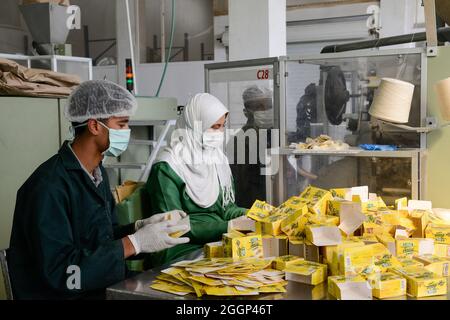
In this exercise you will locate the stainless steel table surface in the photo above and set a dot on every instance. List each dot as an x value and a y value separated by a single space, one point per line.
138 288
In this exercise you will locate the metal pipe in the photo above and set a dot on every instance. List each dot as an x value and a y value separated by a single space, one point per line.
443 36
163 32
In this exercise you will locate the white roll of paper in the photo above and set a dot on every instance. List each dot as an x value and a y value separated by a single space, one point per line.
392 101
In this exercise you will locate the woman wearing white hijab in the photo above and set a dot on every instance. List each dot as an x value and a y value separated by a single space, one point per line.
193 175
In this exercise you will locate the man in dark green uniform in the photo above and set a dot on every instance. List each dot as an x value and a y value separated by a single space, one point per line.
65 242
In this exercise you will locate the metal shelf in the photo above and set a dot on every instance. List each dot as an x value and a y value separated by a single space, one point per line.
352 152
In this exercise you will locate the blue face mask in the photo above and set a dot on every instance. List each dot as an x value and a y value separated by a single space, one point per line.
118 140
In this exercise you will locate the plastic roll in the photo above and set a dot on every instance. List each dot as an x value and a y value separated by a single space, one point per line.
392 101
443 93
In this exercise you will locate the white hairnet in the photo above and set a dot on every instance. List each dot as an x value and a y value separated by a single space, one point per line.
99 99
254 93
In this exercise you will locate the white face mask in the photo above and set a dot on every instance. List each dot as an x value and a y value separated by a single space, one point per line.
263 119
213 139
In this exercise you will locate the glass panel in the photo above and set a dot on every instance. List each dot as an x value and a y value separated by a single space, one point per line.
390 178
333 97
248 93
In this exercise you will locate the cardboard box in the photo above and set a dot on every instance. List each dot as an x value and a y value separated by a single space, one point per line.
271 225
420 220
214 250
323 235
242 224
351 217
311 252
366 238
357 260
296 247
260 210
331 220
183 222
422 283
349 288
294 224
387 285
306 272
440 233
334 206
442 250
401 204
275 246
408 261
291 205
438 265
317 199
383 258
414 246
236 245
281 263
332 254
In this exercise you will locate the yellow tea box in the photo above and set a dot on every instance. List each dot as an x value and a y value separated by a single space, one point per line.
291 205
293 224
408 261
349 288
420 220
214 250
260 210
440 233
341 193
237 246
337 253
388 241
357 260
306 272
383 258
438 265
282 262
275 246
328 251
387 285
442 250
271 225
317 199
296 247
413 246
242 224
323 235
421 282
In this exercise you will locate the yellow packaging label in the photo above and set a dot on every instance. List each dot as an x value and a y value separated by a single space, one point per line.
438 265
357 260
332 254
413 246
421 282
317 199
237 246
271 225
383 258
282 262
306 272
349 288
440 233
366 238
387 285
214 250
260 210
407 261
340 192
442 250
291 206
388 241
292 224
334 206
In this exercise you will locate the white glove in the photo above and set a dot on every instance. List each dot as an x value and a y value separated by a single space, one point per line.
173 215
156 237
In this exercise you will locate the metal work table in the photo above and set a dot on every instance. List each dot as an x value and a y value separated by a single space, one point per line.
138 288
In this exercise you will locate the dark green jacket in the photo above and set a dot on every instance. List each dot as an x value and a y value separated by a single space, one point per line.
62 219
167 192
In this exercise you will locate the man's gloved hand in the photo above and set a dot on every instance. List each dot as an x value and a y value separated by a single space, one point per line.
174 215
156 237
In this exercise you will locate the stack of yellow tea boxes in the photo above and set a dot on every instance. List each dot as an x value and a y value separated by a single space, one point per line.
397 250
